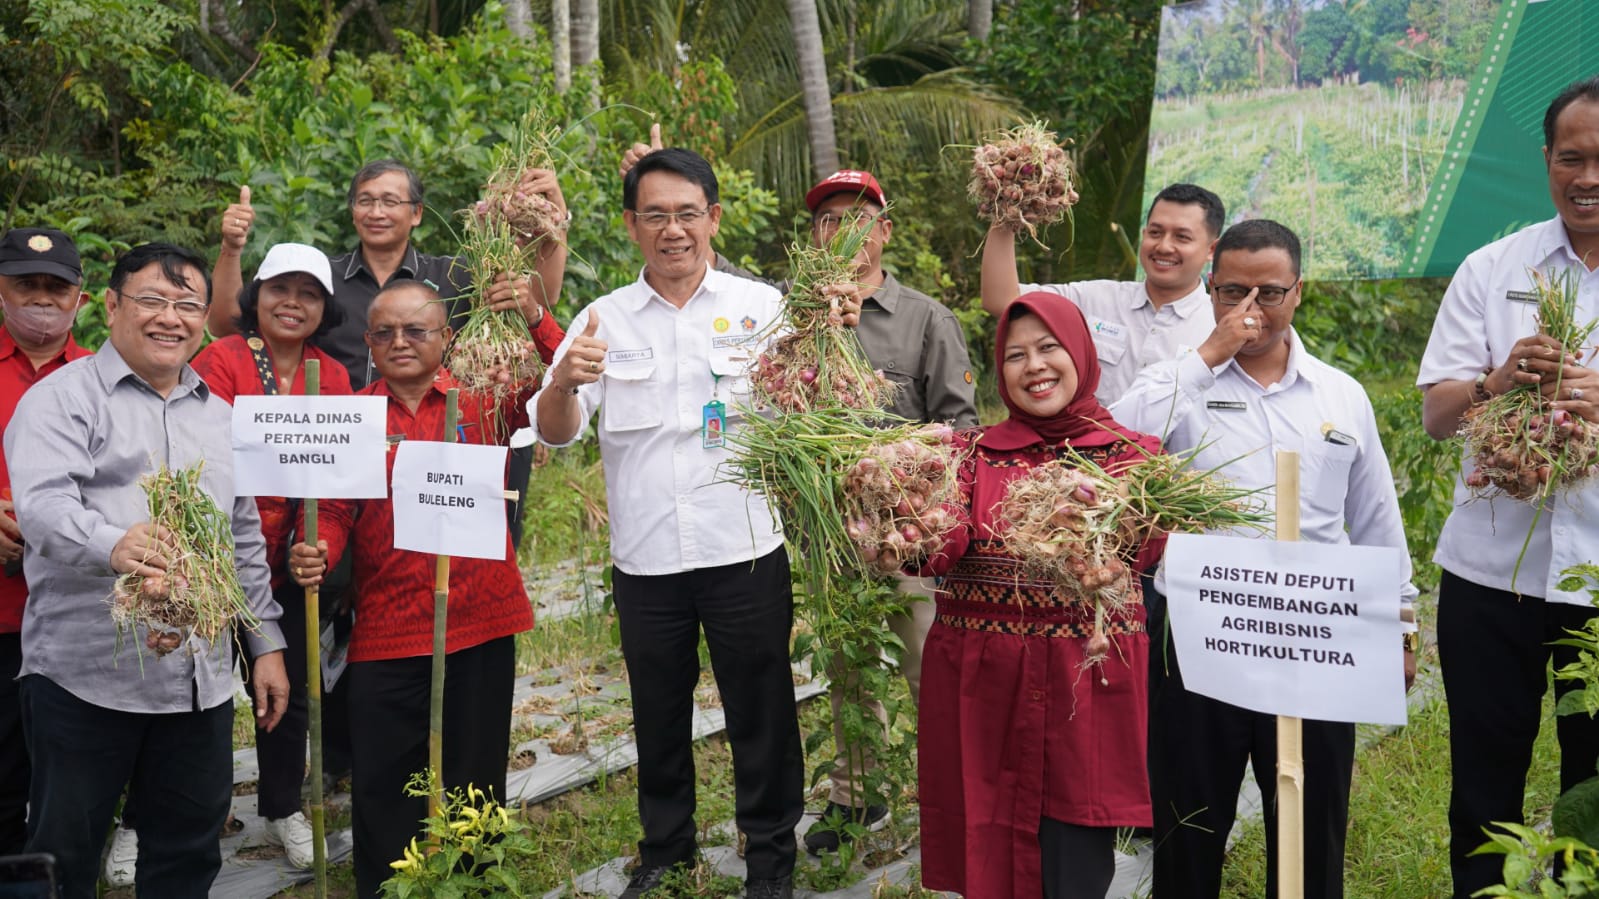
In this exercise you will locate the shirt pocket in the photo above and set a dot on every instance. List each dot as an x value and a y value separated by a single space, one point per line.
1324 476
1110 340
732 381
632 398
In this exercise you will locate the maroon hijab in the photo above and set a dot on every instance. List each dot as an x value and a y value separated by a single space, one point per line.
1084 422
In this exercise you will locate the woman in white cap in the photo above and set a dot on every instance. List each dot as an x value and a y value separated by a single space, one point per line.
289 303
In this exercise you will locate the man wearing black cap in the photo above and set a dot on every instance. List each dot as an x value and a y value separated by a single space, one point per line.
41 288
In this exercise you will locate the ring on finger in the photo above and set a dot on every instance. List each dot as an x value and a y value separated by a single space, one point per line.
594 367
298 571
1576 393
1521 365
1249 322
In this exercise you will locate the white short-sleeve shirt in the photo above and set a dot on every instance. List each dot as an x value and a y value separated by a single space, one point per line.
1490 305
671 509
1129 332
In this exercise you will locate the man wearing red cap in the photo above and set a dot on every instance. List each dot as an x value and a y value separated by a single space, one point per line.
918 344
41 288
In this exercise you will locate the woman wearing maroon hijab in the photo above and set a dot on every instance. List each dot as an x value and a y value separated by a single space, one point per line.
1029 762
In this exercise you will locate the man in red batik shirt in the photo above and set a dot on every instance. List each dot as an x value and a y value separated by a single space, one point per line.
41 288
391 646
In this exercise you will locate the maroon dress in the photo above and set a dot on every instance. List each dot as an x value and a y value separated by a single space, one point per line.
1014 726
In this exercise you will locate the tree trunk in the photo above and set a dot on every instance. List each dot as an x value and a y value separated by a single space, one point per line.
585 32
561 39
813 83
979 19
519 18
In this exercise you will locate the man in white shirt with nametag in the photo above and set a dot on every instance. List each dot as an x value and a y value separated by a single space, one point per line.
665 360
1134 323
1250 389
1499 606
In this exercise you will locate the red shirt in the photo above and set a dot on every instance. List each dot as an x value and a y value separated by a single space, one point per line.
228 367
394 587
17 374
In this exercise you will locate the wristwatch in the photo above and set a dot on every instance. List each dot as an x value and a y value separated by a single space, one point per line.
1413 642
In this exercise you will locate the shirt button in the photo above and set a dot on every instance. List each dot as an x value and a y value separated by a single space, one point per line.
1038 695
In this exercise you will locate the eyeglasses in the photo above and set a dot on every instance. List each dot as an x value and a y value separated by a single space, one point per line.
1269 295
657 221
383 336
827 221
365 202
156 305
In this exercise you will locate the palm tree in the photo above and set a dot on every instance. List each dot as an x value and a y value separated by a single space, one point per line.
813 87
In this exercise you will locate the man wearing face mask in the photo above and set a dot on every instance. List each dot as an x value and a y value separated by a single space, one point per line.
41 288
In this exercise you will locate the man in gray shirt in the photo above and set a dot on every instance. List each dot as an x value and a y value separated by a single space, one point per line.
99 712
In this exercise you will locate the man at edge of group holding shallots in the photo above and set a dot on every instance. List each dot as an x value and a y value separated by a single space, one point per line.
662 359
1499 606
41 289
99 719
392 644
1249 389
1134 323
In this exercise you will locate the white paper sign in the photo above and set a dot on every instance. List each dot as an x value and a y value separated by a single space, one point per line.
1303 629
449 499
325 447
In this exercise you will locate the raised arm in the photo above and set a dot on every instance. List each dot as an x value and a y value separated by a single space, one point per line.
227 279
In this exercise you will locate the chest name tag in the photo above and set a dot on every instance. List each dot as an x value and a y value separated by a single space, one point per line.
1521 296
1337 437
715 420
1108 330
1234 405
630 355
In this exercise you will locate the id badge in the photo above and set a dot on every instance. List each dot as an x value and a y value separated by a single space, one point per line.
715 419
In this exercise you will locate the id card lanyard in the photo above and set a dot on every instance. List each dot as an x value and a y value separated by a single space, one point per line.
714 417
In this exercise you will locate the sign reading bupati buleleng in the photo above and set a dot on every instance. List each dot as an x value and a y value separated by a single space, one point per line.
326 447
449 499
1310 630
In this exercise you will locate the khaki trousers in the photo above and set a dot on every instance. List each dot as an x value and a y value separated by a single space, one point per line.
911 628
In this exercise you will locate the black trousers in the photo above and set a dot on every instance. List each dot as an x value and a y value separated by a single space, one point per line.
747 611
1077 862
1198 748
14 770
281 753
389 703
179 764
1494 654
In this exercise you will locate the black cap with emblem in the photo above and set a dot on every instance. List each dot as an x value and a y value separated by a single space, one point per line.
40 251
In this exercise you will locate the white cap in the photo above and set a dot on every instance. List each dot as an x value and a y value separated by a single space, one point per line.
287 258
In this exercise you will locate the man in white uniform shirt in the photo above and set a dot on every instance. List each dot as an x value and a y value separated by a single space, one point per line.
664 359
1250 389
1499 605
1135 323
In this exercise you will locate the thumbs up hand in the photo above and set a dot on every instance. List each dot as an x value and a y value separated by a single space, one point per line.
639 151
236 222
584 361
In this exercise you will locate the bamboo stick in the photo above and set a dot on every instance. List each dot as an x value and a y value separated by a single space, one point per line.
313 677
441 596
1290 746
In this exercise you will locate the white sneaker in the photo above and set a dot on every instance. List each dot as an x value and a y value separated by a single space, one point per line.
294 835
122 861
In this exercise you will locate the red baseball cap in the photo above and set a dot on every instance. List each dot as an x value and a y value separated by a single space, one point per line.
851 181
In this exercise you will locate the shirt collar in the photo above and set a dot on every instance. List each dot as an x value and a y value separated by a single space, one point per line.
1554 241
442 382
410 265
113 370
641 293
1184 307
886 296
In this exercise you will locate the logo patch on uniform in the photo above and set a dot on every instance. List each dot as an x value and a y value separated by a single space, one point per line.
968 376
39 243
255 343
721 325
747 323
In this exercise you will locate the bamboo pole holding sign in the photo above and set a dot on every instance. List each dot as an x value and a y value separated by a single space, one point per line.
441 604
1290 745
313 677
